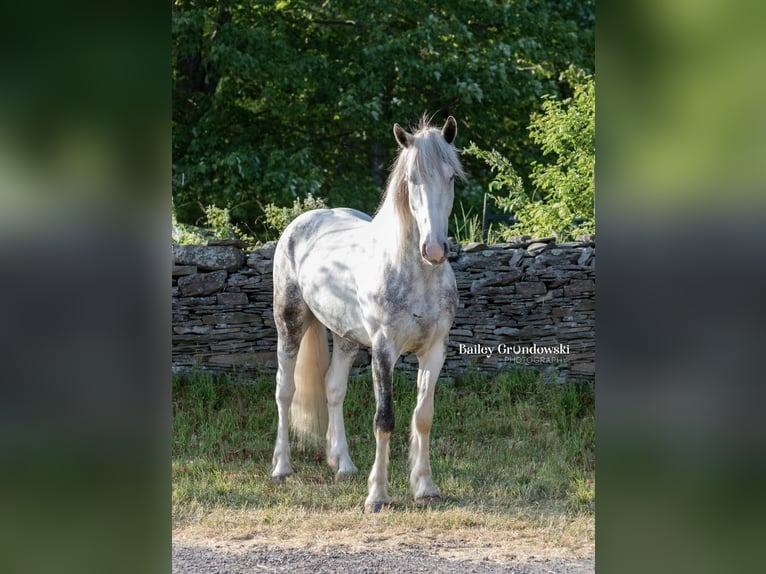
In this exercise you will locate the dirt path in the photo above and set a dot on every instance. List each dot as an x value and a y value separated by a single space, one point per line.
248 556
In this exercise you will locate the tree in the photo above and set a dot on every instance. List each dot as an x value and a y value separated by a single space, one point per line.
277 100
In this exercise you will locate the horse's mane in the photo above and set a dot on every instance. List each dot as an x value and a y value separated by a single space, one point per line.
427 149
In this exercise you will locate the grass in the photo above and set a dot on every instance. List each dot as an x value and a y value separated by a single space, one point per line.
469 228
510 453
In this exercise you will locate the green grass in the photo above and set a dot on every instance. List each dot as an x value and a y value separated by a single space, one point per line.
502 447
469 227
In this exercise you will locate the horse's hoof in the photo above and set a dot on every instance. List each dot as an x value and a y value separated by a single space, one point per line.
279 478
375 507
428 500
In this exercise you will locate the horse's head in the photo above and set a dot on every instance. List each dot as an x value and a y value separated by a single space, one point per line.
430 165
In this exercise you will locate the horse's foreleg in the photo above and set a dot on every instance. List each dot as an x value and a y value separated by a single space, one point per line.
281 467
423 487
383 360
336 383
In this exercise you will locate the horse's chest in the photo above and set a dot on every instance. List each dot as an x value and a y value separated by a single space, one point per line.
420 311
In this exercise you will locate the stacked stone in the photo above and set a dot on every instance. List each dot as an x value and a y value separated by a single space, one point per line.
523 293
222 308
515 294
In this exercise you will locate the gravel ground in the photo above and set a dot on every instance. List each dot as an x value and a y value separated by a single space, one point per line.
191 558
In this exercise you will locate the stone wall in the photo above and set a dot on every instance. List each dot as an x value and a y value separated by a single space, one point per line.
528 303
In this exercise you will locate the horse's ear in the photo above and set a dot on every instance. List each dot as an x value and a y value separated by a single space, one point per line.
449 131
402 137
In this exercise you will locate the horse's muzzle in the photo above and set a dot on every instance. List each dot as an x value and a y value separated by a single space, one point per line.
434 253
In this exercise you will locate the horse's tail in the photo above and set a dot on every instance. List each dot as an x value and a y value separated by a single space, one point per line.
308 413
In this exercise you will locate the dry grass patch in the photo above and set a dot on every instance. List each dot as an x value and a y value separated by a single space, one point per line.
454 533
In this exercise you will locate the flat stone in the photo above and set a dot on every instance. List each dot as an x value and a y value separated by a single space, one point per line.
227 243
461 333
555 258
584 368
495 280
201 284
232 298
265 251
507 331
196 302
578 286
530 288
208 258
180 270
253 358
194 329
557 282
537 247
586 254
516 257
231 318
475 247
262 266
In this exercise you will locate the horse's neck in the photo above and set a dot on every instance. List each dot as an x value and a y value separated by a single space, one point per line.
397 235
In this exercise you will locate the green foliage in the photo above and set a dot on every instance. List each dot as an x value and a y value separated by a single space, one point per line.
562 197
187 234
506 178
218 225
277 218
275 101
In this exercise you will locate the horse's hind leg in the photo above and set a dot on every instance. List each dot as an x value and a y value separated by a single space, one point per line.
423 487
281 467
292 317
336 383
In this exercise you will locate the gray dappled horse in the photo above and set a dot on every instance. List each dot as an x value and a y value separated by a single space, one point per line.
383 283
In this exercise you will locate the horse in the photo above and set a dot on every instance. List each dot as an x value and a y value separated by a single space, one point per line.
383 283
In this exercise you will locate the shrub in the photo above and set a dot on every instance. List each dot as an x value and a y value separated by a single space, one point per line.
277 218
218 225
562 199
